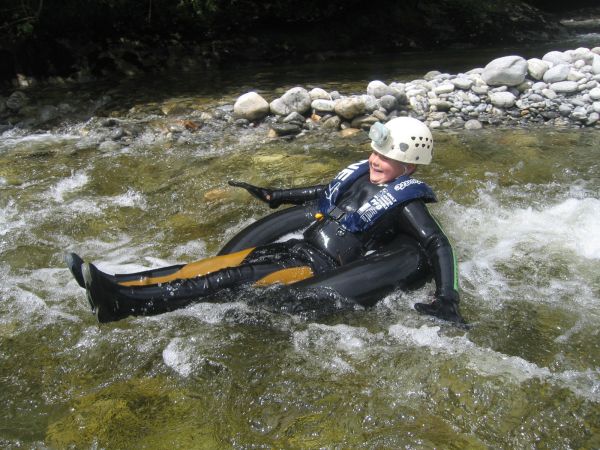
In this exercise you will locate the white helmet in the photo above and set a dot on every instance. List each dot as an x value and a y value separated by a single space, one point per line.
404 139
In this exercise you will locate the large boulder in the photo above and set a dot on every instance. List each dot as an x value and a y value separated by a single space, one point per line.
251 106
505 71
294 100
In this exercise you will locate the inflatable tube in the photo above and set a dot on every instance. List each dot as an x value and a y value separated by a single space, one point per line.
400 264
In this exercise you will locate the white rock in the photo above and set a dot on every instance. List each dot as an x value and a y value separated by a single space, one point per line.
508 71
444 88
537 68
350 107
596 65
480 89
473 124
295 99
560 72
502 99
251 106
463 83
576 75
595 94
564 87
549 93
581 53
556 57
318 93
596 107
539 86
323 105
378 89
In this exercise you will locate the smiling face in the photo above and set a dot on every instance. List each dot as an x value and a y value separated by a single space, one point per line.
382 170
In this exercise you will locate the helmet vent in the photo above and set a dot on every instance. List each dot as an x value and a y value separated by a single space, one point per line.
403 147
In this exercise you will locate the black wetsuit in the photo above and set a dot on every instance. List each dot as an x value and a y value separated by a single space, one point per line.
325 245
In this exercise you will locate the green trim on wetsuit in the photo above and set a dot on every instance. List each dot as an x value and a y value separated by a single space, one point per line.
454 259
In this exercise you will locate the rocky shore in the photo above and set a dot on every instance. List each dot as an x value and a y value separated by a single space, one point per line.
562 89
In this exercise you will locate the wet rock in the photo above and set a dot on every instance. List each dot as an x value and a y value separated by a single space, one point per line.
294 118
286 129
251 106
507 71
296 99
47 113
16 101
332 123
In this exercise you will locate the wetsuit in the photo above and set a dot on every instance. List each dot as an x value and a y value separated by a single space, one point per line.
325 245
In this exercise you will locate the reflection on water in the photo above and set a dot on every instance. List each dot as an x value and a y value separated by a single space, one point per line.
522 208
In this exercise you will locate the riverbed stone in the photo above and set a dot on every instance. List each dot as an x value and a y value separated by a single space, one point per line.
286 129
295 99
564 87
462 82
473 124
444 88
251 106
508 71
557 73
537 68
323 105
596 65
378 89
388 102
319 94
333 123
350 107
16 101
565 110
556 57
502 99
592 118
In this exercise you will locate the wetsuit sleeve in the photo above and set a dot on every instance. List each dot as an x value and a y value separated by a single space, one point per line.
296 196
418 222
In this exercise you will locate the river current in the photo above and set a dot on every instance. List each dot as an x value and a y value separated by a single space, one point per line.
522 208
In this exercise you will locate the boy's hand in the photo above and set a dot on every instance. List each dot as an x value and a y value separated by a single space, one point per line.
263 194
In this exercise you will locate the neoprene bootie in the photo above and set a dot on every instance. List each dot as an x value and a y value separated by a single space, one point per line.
74 263
112 301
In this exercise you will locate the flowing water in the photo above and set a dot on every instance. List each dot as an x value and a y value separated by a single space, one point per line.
521 206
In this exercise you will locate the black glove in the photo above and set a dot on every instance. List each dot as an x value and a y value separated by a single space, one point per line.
445 308
266 195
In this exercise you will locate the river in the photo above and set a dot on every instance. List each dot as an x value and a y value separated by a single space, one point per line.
522 208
